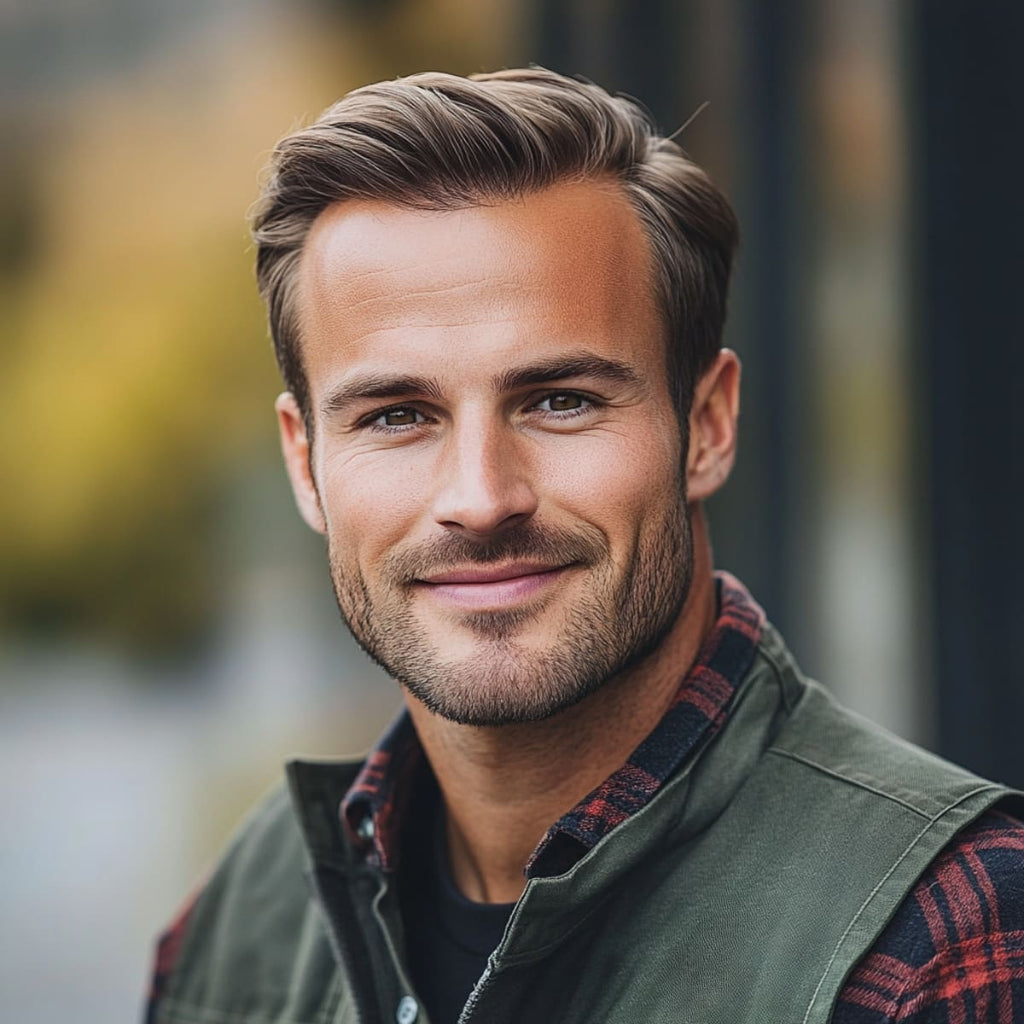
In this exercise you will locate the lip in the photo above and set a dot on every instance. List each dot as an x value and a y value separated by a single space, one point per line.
482 587
490 573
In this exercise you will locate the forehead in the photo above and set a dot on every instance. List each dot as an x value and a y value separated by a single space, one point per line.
565 266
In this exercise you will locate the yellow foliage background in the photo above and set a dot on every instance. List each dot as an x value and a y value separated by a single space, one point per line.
137 370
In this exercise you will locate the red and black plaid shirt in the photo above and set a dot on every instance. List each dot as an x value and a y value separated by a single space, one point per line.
953 953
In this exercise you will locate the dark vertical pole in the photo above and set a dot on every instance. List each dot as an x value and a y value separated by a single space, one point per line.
967 175
759 517
554 45
632 46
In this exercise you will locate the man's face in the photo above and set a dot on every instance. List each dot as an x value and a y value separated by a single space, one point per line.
496 458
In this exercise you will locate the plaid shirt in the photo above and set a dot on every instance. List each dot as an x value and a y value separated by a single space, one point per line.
953 952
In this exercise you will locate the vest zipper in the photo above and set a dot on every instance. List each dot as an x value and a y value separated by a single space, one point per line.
474 996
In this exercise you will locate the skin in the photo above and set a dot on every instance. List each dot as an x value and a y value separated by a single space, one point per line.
407 478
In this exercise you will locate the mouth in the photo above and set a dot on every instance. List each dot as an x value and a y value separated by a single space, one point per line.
478 588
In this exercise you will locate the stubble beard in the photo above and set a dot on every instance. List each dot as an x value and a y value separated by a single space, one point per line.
623 618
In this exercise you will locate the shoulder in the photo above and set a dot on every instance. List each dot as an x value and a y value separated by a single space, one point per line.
266 849
256 889
954 950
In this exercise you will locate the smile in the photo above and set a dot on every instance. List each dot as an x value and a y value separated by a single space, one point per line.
484 587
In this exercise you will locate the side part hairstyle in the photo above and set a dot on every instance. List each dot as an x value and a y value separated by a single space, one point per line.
436 142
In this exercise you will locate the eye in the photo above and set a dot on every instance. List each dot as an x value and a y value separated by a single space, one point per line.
395 418
400 417
562 403
565 403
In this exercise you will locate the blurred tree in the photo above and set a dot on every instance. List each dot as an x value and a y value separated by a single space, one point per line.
138 374
136 362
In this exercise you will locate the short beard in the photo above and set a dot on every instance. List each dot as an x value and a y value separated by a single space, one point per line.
614 627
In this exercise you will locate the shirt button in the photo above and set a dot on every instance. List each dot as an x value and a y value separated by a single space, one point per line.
408 1010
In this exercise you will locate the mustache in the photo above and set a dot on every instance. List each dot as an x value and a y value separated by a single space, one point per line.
524 542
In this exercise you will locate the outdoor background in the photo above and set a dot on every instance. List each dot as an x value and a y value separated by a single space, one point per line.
167 632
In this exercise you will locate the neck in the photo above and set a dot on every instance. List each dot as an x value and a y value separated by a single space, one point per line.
504 786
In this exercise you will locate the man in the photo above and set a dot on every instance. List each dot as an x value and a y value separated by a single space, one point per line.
497 304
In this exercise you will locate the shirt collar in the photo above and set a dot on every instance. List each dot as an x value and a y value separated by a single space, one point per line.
373 807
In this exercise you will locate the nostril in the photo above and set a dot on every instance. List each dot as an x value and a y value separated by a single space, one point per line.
484 489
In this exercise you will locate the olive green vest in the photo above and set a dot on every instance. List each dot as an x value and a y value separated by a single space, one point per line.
743 893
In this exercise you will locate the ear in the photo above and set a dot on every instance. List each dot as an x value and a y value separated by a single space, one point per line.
713 416
295 446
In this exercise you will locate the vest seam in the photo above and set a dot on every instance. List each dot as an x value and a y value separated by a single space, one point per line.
331 1001
528 956
930 823
777 673
860 783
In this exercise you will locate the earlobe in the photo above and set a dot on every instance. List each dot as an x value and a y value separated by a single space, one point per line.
296 450
713 425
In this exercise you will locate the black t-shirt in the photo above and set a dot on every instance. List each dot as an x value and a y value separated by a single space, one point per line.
448 937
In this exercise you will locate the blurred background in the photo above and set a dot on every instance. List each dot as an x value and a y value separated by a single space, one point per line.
167 632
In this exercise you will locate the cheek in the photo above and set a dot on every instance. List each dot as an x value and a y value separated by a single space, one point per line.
617 485
371 503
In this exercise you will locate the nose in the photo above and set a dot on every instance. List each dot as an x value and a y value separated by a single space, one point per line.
484 483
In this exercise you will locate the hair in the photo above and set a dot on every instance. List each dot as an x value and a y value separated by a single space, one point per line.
437 142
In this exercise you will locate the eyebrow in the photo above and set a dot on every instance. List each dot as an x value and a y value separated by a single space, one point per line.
575 364
378 385
387 386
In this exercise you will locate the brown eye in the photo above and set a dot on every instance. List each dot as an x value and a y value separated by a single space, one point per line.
566 401
401 417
